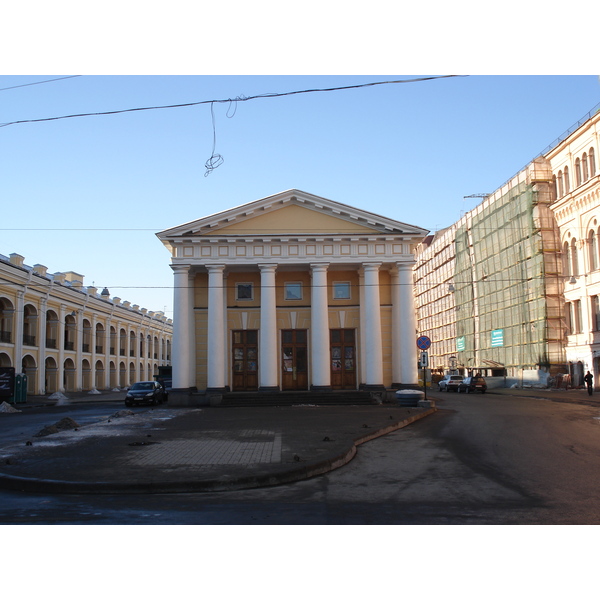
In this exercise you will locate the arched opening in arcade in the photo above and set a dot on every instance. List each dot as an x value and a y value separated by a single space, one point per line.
51 375
69 379
29 367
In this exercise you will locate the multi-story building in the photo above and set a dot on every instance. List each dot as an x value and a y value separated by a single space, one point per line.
67 337
487 288
576 180
293 292
491 288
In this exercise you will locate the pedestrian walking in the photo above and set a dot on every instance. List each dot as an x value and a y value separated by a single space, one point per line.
589 381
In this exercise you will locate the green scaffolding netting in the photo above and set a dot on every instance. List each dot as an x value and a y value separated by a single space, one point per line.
499 284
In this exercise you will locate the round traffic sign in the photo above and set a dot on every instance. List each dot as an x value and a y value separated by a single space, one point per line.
423 342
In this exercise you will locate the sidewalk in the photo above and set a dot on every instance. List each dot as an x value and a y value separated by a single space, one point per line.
73 398
578 396
167 449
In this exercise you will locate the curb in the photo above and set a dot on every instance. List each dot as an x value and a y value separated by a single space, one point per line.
28 484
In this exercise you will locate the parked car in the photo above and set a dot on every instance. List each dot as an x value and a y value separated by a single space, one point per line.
449 383
475 383
145 392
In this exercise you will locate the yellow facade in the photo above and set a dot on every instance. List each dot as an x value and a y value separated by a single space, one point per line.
67 337
292 284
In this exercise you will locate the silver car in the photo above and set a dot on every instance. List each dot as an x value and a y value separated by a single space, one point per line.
449 383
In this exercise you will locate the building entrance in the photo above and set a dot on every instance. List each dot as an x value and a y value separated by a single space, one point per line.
343 359
245 360
294 362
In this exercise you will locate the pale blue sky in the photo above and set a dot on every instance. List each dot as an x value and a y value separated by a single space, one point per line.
408 151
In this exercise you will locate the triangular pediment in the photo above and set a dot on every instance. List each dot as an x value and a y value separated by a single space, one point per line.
293 213
294 219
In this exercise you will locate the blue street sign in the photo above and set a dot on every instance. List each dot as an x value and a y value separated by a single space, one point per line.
423 342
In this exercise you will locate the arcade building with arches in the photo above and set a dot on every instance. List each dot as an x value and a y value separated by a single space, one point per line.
67 337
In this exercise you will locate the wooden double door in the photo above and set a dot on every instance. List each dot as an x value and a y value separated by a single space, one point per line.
294 359
342 344
245 360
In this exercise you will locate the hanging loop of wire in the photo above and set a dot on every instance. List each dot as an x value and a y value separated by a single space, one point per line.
234 103
215 160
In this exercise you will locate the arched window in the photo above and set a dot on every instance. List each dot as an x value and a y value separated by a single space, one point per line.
595 313
51 329
561 191
30 318
567 183
592 162
584 165
100 338
567 259
593 250
7 312
122 343
113 343
578 317
554 188
577 172
132 342
574 260
87 336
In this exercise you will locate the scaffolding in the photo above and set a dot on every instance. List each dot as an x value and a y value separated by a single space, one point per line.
506 282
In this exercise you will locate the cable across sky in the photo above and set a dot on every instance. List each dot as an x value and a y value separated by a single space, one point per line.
226 100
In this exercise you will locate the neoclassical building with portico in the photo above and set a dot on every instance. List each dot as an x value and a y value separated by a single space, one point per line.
293 292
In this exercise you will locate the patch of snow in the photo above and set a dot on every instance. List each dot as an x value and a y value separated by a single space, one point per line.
7 408
94 391
143 421
115 390
60 398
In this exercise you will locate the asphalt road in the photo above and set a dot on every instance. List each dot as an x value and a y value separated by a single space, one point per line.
481 459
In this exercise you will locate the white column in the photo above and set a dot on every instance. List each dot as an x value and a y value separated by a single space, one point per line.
226 358
107 355
128 356
267 364
93 342
79 350
140 347
41 340
396 328
362 345
192 326
19 327
181 327
372 328
319 328
408 325
61 348
216 328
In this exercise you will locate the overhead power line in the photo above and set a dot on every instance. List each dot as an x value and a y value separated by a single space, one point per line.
237 99
38 82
